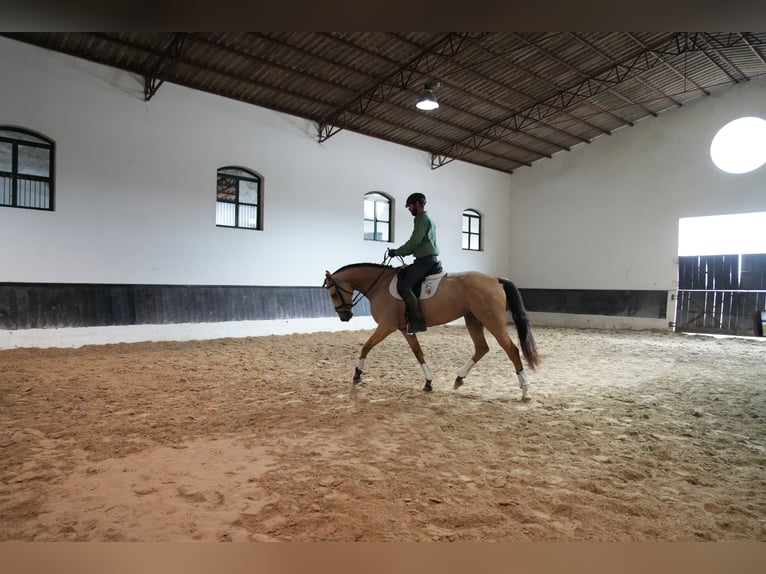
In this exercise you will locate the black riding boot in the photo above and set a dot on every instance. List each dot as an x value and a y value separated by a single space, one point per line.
416 321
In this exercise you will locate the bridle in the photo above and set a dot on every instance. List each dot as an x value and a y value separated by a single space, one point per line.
347 306
344 306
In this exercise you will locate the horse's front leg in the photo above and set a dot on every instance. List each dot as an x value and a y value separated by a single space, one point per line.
415 346
377 336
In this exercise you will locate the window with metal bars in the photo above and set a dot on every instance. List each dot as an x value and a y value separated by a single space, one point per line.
239 194
377 216
472 230
26 169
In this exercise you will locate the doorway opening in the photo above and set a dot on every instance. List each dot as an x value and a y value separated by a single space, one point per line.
721 274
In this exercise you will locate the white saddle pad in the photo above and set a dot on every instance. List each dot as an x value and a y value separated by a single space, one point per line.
430 285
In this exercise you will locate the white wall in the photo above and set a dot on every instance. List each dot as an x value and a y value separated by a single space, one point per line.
135 193
605 215
135 186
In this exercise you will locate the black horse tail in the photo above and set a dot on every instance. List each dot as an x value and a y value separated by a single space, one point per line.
515 304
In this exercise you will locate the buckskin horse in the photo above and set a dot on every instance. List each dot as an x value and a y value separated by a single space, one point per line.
481 299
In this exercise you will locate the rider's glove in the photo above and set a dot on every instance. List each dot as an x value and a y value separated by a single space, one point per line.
392 252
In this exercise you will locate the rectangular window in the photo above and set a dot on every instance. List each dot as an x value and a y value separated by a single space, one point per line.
34 161
369 229
32 193
6 156
248 216
248 192
227 189
225 214
6 188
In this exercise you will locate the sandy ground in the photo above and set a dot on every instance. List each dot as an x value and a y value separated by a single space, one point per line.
629 437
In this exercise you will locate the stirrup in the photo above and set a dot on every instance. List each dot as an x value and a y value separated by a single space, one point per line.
411 330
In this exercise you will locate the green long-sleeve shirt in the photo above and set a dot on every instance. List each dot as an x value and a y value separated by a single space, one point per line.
422 242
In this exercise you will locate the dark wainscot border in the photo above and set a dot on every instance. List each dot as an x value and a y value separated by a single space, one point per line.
56 305
52 305
615 303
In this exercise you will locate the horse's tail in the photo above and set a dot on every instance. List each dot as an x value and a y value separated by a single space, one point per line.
515 304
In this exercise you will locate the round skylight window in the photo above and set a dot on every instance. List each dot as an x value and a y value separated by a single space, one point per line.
740 145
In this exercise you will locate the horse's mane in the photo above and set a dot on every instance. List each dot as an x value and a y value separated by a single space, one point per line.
352 265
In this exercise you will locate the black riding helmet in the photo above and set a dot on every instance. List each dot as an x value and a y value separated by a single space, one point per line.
415 197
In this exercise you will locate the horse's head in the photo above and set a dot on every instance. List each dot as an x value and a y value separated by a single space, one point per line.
338 292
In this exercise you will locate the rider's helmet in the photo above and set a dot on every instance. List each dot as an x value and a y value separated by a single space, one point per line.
415 197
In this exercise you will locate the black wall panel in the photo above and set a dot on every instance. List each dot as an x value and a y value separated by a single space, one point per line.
52 305
49 305
648 304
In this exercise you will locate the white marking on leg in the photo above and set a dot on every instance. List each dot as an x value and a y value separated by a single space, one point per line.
523 380
465 369
427 372
360 364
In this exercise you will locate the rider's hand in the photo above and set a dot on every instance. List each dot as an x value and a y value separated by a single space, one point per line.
392 252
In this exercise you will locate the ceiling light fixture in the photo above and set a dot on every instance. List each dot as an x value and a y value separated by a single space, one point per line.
427 99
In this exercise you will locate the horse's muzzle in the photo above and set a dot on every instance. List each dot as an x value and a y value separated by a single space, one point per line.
344 312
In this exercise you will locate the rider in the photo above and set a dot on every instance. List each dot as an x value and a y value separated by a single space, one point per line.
421 244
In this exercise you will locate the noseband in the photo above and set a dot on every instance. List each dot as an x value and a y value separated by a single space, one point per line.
340 290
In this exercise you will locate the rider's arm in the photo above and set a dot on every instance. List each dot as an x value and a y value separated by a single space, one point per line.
419 231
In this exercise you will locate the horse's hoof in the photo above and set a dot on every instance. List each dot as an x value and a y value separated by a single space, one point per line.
357 376
427 387
526 399
458 383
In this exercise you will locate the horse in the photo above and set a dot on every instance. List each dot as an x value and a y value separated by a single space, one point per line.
480 299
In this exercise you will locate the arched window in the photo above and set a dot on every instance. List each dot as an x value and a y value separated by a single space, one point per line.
26 169
471 230
377 216
239 196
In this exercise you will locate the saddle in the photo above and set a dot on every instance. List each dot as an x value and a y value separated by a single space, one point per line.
423 289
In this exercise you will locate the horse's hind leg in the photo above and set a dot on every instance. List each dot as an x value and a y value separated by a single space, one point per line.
418 352
476 330
499 330
377 336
